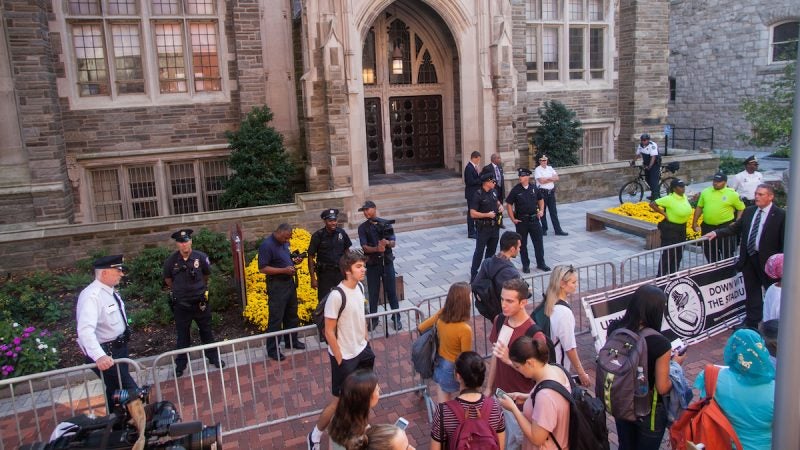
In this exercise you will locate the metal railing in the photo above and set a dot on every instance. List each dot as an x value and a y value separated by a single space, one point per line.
48 398
668 260
686 137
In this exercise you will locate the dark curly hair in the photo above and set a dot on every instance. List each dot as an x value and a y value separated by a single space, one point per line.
472 369
349 424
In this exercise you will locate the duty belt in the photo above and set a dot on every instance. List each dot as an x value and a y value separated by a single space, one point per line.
485 223
118 342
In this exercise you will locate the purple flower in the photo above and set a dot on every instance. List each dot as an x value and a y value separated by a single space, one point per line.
26 335
17 341
9 353
14 355
43 333
30 330
3 348
18 349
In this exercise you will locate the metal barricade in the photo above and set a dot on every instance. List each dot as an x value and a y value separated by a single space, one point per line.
254 391
668 260
32 405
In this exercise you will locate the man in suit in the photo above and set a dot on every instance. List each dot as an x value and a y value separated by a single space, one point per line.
472 182
760 229
496 168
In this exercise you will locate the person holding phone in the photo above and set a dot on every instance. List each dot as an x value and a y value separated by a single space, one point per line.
470 373
360 393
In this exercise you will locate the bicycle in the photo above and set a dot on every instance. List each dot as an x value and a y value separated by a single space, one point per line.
633 191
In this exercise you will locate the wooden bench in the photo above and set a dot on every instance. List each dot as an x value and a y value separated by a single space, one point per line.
599 220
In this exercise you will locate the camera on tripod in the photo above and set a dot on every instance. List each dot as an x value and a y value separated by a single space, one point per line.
384 227
163 430
297 255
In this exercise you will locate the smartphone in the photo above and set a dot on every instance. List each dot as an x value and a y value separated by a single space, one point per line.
505 334
499 393
401 423
576 379
682 350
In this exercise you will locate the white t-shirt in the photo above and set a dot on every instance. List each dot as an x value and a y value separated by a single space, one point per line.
544 172
772 303
352 324
746 183
650 149
562 333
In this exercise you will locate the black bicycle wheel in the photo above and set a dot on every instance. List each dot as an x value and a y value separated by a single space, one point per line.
663 187
631 192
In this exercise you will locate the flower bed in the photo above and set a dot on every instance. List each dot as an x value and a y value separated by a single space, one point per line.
642 211
24 350
256 310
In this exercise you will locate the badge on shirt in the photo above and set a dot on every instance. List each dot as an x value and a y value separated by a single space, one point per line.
196 263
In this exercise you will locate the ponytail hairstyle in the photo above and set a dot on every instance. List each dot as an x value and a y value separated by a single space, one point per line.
552 295
526 348
349 423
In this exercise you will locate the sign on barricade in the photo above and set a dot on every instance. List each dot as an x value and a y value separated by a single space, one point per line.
701 302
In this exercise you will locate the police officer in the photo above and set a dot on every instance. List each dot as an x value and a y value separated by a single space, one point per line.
484 207
525 207
377 246
652 163
103 332
186 273
327 246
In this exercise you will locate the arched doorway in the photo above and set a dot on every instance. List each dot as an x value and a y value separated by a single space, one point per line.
407 69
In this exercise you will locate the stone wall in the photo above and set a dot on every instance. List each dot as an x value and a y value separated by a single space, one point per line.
719 52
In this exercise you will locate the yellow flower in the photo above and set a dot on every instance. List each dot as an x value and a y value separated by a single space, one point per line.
256 310
642 211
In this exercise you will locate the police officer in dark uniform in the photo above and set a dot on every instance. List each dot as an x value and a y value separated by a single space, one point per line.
486 211
525 207
328 245
186 273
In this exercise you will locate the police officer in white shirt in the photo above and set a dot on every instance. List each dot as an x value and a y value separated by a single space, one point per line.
546 177
746 181
652 163
103 331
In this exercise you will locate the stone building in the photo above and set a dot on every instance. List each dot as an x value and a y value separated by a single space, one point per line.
723 51
114 111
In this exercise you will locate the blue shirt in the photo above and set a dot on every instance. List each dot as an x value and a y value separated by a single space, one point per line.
273 254
368 235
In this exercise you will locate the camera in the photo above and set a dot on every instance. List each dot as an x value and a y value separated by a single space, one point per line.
384 227
297 255
163 430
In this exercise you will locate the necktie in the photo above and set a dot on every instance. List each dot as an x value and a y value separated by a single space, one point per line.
497 173
121 312
751 240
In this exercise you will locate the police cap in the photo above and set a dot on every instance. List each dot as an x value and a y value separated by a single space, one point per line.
184 235
329 214
109 262
523 172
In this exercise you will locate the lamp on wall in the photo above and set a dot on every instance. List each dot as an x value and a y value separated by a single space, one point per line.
368 73
397 59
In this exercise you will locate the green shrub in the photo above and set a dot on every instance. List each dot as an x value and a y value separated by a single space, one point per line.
559 135
142 317
75 281
730 165
144 280
25 350
32 299
220 291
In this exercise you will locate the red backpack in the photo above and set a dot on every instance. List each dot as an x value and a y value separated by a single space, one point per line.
704 422
473 431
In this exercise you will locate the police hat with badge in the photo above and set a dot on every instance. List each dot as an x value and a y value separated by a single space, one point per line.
329 214
184 235
110 262
488 175
523 172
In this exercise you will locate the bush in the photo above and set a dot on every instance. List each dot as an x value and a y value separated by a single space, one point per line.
730 165
26 350
144 280
771 115
32 299
559 135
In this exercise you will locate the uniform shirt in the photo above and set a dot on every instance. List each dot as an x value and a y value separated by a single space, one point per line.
99 318
678 209
483 201
351 326
544 172
273 254
187 275
524 200
718 205
368 235
651 149
329 247
746 183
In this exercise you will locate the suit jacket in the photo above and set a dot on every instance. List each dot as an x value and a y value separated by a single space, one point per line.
771 235
472 180
500 187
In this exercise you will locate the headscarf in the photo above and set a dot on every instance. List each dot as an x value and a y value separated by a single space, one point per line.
747 356
774 266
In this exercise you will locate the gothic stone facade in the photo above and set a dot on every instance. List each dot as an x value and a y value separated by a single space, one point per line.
722 51
117 110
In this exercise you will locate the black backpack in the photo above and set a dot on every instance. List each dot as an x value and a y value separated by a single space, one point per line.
487 299
530 332
543 321
319 312
587 416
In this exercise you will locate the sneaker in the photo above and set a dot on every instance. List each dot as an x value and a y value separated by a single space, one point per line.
311 444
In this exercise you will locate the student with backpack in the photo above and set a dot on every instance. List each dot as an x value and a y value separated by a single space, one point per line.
471 417
556 319
455 337
635 351
493 272
346 334
544 418
745 389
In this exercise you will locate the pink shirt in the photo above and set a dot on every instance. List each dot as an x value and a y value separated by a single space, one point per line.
551 412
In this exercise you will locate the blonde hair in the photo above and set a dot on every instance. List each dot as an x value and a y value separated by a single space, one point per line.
553 293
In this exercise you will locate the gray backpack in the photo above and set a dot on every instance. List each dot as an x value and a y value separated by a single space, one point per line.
617 366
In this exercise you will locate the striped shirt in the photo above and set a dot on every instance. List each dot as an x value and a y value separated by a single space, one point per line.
496 419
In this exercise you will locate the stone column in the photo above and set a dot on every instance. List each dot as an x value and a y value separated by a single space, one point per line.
643 71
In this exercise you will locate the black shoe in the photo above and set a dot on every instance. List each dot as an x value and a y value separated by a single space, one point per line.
218 364
373 323
544 268
276 356
297 345
544 233
472 236
526 270
398 324
179 372
562 233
